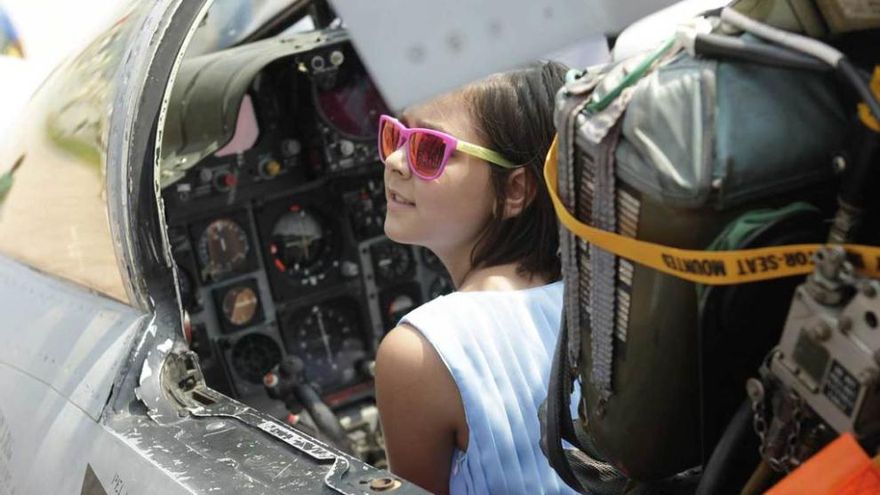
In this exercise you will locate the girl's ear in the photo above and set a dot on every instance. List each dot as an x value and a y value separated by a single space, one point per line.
520 192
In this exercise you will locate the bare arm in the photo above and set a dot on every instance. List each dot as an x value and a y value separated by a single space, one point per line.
420 409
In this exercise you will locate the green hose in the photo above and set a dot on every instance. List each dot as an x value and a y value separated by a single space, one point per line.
631 78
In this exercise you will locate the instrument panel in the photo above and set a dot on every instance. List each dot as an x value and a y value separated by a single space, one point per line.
278 236
328 336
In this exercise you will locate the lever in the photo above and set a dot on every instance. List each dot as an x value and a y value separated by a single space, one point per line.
287 382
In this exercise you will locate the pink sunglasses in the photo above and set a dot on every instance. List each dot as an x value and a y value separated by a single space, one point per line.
427 150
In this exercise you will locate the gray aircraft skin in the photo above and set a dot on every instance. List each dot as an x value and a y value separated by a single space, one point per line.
102 392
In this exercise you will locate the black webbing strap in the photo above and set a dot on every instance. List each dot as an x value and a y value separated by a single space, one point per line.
577 467
557 413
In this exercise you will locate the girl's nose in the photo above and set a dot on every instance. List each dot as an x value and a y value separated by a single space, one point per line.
396 162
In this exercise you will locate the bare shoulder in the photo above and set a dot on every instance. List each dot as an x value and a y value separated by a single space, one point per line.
420 409
406 360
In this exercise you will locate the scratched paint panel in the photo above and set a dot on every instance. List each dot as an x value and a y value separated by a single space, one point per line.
66 337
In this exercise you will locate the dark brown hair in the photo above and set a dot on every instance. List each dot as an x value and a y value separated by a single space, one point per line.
514 113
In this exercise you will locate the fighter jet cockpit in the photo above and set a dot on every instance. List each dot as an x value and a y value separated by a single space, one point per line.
275 204
195 275
193 266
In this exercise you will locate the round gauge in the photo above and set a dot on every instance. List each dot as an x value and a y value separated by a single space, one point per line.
392 261
223 248
398 307
240 305
254 355
432 261
368 223
328 339
367 208
300 244
439 287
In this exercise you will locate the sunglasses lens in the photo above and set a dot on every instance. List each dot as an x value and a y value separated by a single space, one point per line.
426 151
389 136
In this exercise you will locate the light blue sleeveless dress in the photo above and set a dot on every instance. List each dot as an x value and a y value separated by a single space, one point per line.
498 347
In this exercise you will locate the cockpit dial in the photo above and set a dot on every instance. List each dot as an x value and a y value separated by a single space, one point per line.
329 340
223 248
240 305
301 244
366 208
399 307
254 355
392 261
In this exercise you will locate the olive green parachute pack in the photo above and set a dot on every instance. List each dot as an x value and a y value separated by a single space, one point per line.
696 160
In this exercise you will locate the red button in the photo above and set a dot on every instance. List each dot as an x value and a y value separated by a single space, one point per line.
230 180
270 379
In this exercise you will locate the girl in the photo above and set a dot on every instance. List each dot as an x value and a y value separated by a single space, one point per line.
460 379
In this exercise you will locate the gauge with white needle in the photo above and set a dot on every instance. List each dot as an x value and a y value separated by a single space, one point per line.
325 338
223 248
328 338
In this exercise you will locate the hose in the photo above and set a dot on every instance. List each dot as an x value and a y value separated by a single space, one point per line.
631 78
735 48
814 48
828 54
727 468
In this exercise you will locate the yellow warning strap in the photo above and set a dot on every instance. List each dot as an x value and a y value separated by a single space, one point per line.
705 267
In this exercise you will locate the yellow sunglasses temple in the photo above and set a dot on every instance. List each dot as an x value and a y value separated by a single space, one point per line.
485 154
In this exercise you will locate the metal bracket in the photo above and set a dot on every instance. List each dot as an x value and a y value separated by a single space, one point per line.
173 388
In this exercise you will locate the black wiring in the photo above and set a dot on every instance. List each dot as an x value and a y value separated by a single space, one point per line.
740 49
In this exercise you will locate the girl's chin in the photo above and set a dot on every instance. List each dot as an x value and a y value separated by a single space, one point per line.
403 232
397 232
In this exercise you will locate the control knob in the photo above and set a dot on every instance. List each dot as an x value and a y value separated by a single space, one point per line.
270 168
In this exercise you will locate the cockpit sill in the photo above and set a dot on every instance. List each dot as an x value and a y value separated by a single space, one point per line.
173 388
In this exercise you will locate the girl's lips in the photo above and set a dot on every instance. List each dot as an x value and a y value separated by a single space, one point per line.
396 199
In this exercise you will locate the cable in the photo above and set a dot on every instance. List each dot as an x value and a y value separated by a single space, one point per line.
728 467
631 78
817 49
736 48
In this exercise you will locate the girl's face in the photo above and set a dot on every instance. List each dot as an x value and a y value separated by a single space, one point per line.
446 214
